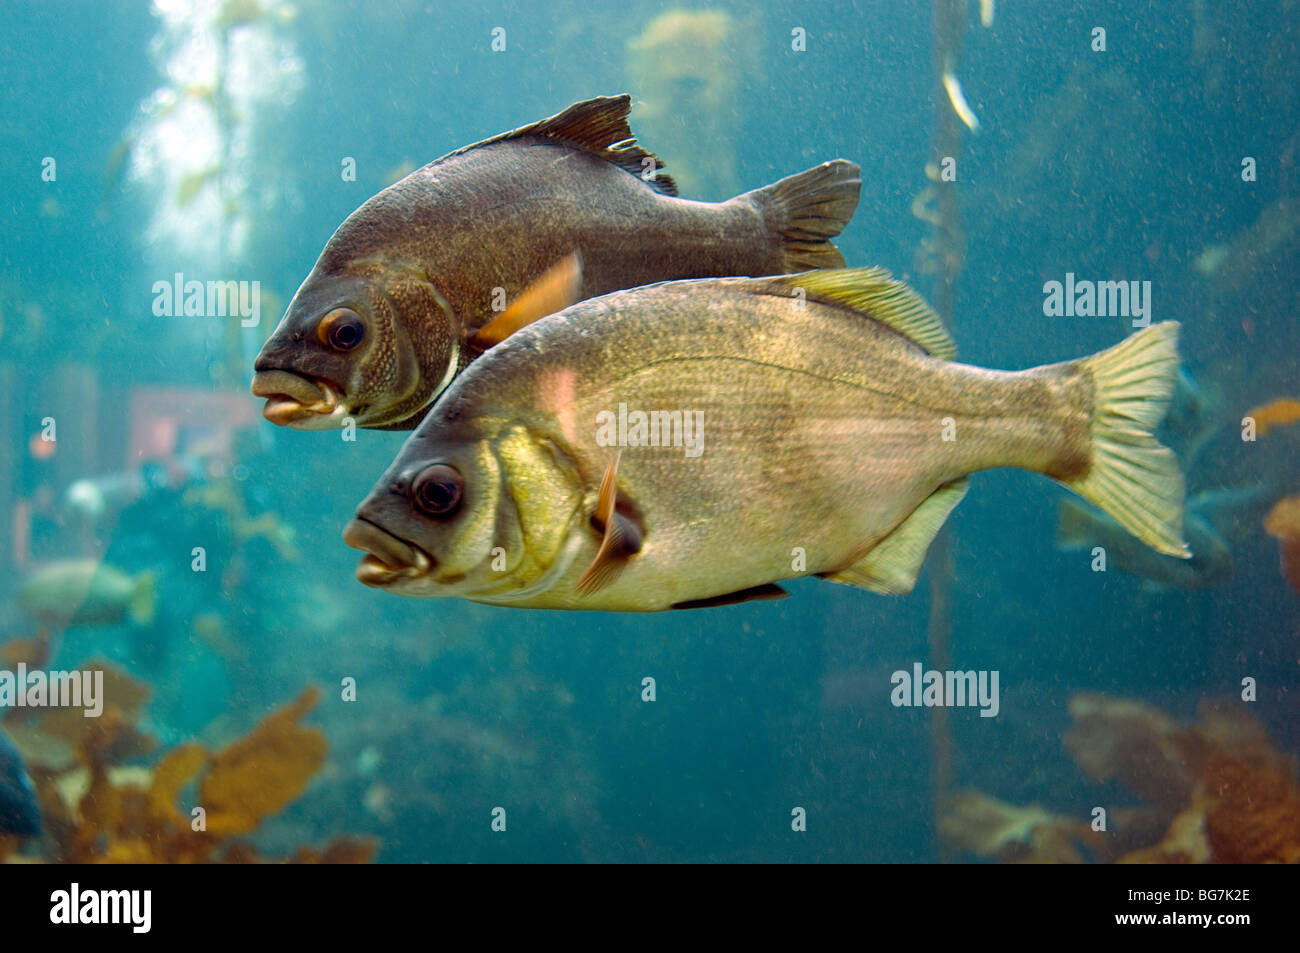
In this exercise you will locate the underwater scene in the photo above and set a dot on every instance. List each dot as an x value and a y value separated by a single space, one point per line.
682 432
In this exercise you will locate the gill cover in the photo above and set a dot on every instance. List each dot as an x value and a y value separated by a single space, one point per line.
379 347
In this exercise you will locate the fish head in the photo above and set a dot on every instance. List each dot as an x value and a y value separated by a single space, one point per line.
489 511
372 346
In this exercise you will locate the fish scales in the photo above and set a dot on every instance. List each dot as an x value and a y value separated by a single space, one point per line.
413 286
823 429
530 214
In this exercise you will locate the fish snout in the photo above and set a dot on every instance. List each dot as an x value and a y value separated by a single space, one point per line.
389 559
294 400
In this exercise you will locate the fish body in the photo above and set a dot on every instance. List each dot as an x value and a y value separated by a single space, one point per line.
1216 520
1194 417
820 404
86 592
1211 562
1235 512
19 811
390 312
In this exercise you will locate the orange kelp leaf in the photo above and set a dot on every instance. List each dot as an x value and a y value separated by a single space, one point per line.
1224 725
121 692
1278 413
130 851
34 652
1283 521
122 698
1255 816
259 774
99 814
101 805
136 816
1184 842
983 825
57 815
171 774
1138 745
240 854
343 850
37 748
112 739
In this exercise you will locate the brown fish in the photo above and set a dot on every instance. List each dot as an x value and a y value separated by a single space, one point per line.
693 443
504 231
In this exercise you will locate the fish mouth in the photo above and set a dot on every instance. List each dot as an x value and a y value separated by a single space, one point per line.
298 401
389 560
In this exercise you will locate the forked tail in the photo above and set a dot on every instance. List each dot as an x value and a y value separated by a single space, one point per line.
804 211
1131 475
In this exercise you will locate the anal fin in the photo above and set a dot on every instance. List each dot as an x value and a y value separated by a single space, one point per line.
895 562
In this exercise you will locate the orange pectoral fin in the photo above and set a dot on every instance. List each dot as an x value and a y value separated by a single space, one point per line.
1277 413
623 537
554 290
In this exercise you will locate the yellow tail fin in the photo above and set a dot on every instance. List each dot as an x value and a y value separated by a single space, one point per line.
1132 477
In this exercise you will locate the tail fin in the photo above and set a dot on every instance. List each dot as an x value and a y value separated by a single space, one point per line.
1131 476
142 599
1075 527
806 210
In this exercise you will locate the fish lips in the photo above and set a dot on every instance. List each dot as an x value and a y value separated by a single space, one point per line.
298 401
390 560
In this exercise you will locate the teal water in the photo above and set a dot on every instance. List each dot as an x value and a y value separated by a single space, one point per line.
1122 164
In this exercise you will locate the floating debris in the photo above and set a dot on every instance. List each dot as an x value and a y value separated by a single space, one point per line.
958 99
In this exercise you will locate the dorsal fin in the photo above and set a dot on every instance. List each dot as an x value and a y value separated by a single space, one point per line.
875 293
600 127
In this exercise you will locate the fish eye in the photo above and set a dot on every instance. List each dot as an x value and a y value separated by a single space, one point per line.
342 329
437 490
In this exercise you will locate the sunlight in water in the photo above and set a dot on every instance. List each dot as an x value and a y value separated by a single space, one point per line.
229 71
